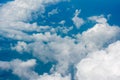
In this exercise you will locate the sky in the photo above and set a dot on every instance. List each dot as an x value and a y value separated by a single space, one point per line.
59 40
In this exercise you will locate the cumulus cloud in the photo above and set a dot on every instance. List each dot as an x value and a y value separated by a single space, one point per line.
15 14
20 47
101 65
24 69
69 51
100 35
20 10
78 22
47 47
94 53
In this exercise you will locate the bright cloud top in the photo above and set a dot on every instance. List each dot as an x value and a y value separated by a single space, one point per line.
101 65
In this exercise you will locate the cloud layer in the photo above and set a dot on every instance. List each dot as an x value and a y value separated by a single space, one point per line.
90 55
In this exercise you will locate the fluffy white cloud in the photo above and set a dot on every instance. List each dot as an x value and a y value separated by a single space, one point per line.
76 20
99 19
99 36
24 69
47 47
20 30
22 9
21 68
20 47
14 14
65 51
101 65
69 51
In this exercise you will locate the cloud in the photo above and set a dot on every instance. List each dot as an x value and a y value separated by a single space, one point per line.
54 11
14 34
63 29
55 76
98 19
68 51
20 47
101 65
24 69
15 16
94 48
62 22
100 35
78 22
21 10
47 47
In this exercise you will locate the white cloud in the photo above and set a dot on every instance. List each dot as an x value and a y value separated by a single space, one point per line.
63 29
20 10
20 47
66 51
78 22
55 76
54 11
15 34
23 69
47 47
14 14
21 26
99 36
98 19
20 30
4 65
101 65
69 51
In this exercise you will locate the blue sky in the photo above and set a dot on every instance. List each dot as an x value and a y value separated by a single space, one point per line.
59 40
